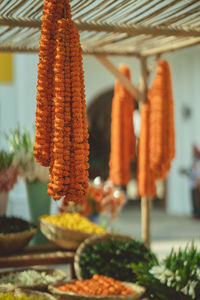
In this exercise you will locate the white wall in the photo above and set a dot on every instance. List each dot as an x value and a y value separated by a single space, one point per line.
17 105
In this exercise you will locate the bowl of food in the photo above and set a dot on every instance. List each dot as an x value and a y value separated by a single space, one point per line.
15 234
23 294
99 287
68 230
31 278
111 255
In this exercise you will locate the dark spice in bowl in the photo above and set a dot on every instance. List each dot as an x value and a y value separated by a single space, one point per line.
14 225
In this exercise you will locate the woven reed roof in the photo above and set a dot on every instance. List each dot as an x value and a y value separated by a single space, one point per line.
117 27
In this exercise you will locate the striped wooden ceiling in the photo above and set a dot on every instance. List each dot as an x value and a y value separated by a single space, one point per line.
113 27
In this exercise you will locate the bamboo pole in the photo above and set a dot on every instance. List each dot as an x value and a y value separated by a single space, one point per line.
145 201
114 71
145 220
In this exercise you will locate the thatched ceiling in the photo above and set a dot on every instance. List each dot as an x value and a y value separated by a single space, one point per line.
118 27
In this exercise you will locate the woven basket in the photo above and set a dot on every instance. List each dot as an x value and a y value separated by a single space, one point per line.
92 241
64 295
14 242
41 287
20 292
61 236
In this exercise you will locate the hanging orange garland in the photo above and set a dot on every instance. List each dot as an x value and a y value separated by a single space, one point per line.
122 132
52 11
64 146
146 180
162 141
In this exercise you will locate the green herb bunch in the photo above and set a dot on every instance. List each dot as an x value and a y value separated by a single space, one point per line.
21 144
114 258
20 139
6 159
176 278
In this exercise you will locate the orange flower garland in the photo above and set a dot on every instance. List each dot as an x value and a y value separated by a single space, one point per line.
59 175
122 133
162 142
65 147
157 137
52 11
146 180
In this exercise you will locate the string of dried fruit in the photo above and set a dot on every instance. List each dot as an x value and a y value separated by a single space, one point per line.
146 180
52 11
122 132
162 149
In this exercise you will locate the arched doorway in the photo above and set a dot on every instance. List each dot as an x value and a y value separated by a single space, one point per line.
99 118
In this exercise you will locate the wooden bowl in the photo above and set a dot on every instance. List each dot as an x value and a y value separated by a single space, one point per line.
92 241
14 242
72 296
61 236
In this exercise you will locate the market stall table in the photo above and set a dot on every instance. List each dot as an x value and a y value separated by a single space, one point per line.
39 255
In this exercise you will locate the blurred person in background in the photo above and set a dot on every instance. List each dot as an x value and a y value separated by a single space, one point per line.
194 176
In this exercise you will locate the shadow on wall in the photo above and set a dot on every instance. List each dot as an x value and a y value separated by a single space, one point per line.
99 118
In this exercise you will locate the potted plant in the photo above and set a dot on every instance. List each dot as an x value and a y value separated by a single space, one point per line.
8 178
34 175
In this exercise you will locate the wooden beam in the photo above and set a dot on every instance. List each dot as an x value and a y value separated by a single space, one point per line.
173 47
114 71
131 30
143 80
25 49
18 49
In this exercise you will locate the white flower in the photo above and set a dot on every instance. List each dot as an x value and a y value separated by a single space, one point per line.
177 288
29 169
162 274
184 290
192 285
169 273
198 273
189 289
169 281
178 278
157 270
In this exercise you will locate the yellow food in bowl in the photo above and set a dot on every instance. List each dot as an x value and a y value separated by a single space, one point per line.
74 221
9 296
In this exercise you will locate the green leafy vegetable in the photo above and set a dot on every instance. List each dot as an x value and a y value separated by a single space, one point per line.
114 258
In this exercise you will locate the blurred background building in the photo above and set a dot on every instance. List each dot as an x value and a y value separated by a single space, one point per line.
18 104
